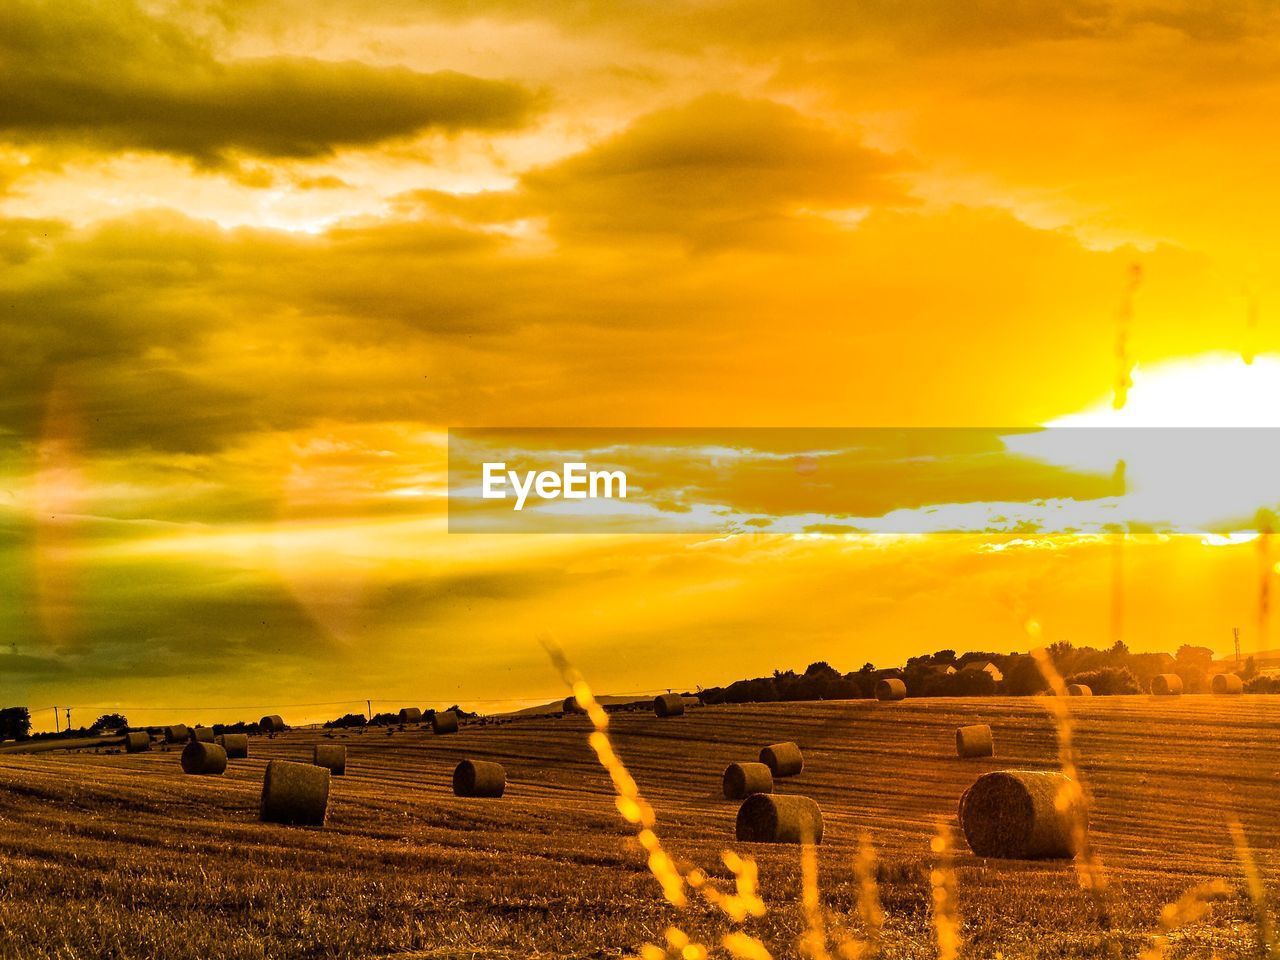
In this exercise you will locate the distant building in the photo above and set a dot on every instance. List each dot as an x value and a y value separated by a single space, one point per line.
1264 661
939 669
983 666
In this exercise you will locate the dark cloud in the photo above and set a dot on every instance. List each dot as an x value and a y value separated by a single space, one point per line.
107 73
28 667
175 335
106 315
714 171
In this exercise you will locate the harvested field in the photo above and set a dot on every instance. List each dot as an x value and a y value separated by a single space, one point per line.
98 851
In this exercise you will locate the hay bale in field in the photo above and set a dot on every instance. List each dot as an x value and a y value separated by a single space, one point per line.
272 723
203 758
178 733
891 688
1079 690
203 734
571 706
669 705
1227 683
779 818
741 780
137 741
1166 685
332 756
410 715
444 722
1015 815
783 759
295 793
236 745
479 778
975 740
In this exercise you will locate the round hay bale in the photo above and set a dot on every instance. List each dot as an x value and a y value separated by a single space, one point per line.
1014 815
178 733
203 758
891 688
1166 685
137 741
236 745
570 705
479 778
444 722
410 715
783 759
1227 683
332 756
975 740
295 793
273 723
1079 690
669 705
741 780
203 734
778 818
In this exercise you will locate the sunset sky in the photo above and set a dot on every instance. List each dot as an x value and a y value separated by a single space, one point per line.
257 256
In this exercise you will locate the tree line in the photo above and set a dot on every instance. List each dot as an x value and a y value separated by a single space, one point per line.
1107 672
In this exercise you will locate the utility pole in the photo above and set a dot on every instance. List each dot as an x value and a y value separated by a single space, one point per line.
68 718
57 729
1235 632
368 706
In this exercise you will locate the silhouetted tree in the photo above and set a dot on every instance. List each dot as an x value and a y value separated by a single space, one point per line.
1201 657
970 683
821 670
15 723
1194 677
1025 679
109 721
1109 681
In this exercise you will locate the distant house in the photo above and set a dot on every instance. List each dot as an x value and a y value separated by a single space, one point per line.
983 666
939 669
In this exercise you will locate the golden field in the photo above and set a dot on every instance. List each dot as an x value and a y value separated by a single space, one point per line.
115 856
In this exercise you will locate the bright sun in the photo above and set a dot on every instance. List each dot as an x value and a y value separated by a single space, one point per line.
1211 390
1212 481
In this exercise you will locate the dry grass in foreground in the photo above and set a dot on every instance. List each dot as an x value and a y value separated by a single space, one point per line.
119 856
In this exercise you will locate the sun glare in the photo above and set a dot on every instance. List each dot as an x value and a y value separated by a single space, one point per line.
1212 390
1211 481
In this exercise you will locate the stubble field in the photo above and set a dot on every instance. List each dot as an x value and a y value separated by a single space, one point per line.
116 856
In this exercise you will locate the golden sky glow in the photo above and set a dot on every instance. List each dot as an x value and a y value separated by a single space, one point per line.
256 258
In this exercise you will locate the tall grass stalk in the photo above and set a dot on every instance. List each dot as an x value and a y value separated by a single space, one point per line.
946 910
1257 892
742 903
870 909
1191 906
814 942
1073 797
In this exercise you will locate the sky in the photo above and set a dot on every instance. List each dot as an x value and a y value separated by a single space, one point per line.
257 257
